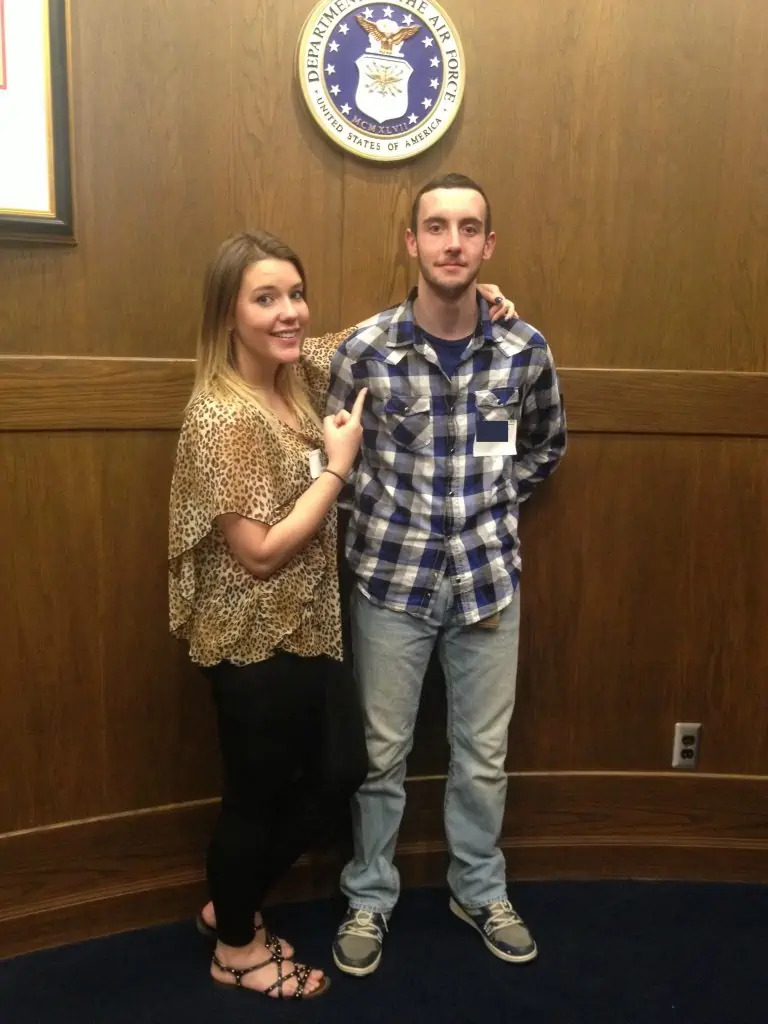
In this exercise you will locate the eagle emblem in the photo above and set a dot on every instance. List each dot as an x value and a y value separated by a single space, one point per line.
386 36
382 92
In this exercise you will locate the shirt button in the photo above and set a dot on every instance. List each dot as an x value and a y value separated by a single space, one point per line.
450 492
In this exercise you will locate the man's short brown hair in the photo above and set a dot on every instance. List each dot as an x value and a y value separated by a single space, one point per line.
451 180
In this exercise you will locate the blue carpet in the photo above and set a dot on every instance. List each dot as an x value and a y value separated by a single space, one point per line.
610 953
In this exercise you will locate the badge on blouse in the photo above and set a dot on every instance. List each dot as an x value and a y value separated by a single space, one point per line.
315 463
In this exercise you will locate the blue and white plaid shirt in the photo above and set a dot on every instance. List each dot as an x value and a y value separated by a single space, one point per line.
441 471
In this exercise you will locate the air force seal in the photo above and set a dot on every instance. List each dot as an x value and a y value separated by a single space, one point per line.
384 81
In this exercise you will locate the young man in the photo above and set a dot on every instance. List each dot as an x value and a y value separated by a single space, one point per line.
463 419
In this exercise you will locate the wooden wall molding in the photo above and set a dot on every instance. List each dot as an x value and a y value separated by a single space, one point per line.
666 402
69 882
60 393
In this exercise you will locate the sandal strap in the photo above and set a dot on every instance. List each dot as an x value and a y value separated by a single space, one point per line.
300 972
281 978
273 944
239 973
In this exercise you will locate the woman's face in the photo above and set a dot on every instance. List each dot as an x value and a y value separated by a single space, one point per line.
271 314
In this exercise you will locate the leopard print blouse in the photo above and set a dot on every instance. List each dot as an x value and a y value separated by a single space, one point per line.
234 457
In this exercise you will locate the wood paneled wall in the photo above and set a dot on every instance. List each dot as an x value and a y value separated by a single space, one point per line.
621 142
623 150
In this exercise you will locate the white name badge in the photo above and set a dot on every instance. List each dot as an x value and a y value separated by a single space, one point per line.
315 463
500 447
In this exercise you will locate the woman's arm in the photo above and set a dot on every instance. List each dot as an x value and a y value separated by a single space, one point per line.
501 307
262 549
316 355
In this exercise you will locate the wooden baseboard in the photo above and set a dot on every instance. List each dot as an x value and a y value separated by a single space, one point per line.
421 864
69 882
109 913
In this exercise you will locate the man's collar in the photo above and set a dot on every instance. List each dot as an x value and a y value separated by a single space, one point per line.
402 329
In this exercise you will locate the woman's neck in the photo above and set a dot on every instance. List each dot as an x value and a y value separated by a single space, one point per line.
256 373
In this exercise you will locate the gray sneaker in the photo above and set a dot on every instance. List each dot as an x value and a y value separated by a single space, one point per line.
357 946
502 929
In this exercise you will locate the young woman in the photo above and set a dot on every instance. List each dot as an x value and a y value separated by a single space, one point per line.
253 588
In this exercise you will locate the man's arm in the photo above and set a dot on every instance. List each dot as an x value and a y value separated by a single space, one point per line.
341 395
341 389
542 437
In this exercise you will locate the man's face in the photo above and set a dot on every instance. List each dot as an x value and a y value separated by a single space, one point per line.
450 241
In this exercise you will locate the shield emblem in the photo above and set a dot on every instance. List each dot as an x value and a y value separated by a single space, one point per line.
382 88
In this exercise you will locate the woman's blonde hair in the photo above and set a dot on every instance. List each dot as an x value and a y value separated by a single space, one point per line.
215 370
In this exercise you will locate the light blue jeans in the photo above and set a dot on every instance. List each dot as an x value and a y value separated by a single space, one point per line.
391 653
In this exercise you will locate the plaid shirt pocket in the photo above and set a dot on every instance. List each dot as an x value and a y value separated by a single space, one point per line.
496 414
409 421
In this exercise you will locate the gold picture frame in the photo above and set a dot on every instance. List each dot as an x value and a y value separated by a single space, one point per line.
2 47
36 195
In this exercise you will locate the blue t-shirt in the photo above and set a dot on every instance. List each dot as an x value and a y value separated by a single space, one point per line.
448 352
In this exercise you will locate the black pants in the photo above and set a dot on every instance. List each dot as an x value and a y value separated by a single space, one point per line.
293 753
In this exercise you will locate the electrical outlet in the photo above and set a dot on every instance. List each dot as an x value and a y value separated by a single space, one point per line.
685 749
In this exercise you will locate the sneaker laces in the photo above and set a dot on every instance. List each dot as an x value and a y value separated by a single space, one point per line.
363 924
502 915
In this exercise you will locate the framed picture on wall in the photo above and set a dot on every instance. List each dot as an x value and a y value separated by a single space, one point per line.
36 202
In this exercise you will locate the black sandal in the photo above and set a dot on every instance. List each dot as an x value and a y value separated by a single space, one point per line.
205 929
209 932
300 971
